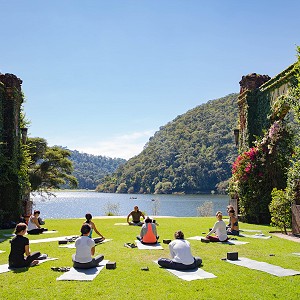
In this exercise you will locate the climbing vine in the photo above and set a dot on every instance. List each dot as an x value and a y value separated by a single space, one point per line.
272 164
257 171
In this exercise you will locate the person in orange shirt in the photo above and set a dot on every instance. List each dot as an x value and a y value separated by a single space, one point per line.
148 233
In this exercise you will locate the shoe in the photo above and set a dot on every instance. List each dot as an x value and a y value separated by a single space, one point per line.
60 269
205 240
130 245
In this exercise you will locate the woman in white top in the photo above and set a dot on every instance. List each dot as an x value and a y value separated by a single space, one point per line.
182 258
85 248
219 229
34 226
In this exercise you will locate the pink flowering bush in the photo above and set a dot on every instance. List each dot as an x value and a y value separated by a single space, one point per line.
260 169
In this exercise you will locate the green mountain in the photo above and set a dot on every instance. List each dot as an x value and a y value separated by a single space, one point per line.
191 154
90 169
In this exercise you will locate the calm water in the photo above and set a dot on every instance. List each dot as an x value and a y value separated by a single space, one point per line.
77 204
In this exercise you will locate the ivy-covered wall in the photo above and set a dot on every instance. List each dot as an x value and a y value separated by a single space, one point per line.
258 94
11 188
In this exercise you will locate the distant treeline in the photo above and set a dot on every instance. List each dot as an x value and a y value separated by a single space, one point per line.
90 169
191 154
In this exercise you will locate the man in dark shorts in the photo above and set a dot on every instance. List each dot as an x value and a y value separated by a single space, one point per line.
136 215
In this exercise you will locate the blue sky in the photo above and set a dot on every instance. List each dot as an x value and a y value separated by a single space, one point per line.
101 76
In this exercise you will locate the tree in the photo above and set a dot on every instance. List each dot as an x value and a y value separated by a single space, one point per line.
50 167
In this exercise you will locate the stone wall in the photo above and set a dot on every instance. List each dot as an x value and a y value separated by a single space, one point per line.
257 95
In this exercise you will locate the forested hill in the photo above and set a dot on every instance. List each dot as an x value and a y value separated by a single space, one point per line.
90 169
191 154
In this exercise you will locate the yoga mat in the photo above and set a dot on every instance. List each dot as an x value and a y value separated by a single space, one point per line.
1 251
49 231
4 268
233 242
263 266
148 247
83 274
54 239
8 234
250 230
256 236
72 246
121 224
296 253
230 242
190 275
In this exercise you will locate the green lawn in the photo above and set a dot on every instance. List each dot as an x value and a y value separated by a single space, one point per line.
128 281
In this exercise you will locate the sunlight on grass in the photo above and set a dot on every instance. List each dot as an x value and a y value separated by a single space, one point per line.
128 281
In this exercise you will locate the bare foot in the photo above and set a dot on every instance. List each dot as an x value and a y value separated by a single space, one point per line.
34 263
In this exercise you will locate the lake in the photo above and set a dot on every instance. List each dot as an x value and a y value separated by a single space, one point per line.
76 204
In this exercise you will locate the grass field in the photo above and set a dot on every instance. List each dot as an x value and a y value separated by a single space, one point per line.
128 281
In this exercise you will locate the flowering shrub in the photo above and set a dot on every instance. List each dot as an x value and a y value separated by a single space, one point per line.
260 169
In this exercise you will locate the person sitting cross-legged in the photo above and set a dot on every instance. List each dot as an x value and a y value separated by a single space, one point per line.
148 233
234 223
219 229
34 227
19 247
89 221
85 249
136 215
181 255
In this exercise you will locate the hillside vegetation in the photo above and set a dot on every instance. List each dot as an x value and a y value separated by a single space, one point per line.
90 169
191 154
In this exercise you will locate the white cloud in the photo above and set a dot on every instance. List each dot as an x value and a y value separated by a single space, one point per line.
123 146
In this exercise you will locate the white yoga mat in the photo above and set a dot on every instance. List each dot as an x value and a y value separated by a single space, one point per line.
121 224
4 268
296 253
250 230
263 266
54 239
230 242
233 242
83 274
257 236
190 275
8 234
1 251
148 247
72 246
49 231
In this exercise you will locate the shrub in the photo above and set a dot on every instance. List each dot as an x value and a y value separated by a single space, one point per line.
280 209
206 209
